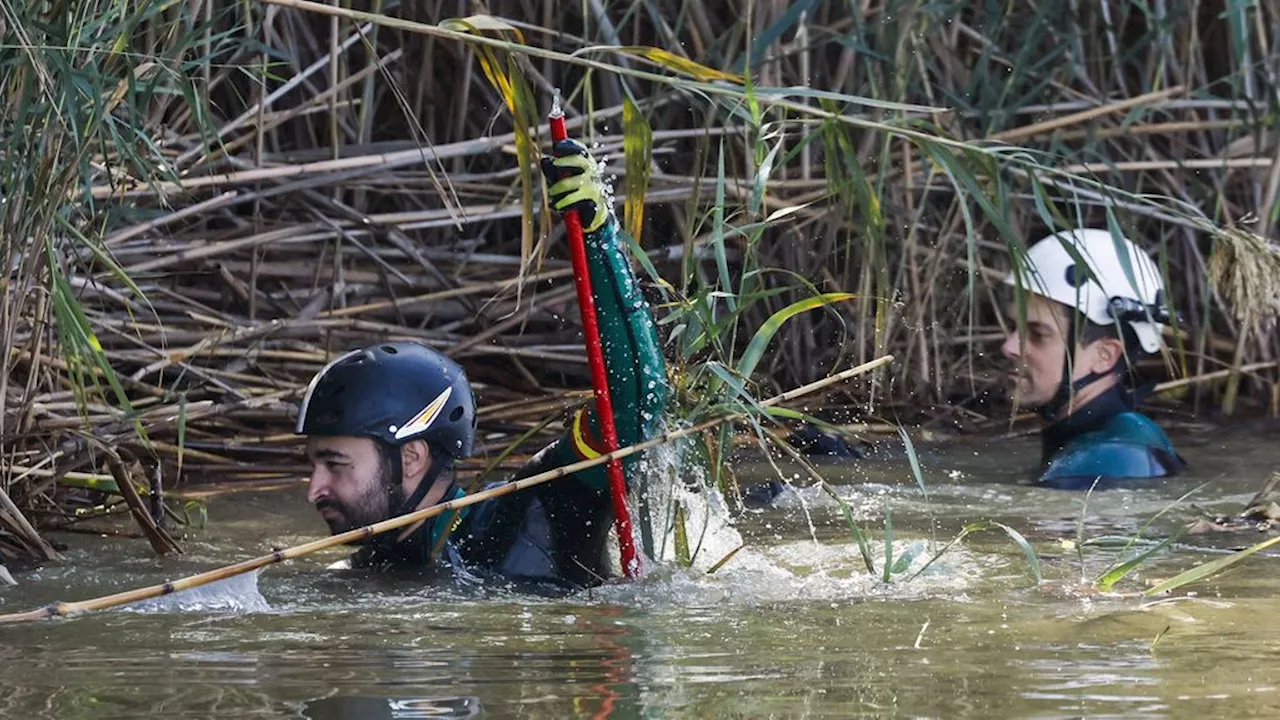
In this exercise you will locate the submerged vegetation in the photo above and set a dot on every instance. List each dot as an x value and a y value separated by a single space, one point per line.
202 203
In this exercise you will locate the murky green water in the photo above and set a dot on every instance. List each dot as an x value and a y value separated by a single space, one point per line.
790 627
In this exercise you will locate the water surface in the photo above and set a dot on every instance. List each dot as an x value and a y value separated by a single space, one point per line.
791 626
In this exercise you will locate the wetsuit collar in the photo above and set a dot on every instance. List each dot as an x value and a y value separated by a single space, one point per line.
418 546
1090 416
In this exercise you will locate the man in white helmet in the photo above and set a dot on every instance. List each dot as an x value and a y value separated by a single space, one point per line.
1094 304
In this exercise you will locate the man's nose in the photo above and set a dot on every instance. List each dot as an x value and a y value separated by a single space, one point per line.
1012 347
318 487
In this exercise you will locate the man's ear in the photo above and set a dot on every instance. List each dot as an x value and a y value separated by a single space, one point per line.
1107 354
415 458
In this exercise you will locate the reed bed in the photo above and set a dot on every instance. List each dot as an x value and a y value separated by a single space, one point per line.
205 202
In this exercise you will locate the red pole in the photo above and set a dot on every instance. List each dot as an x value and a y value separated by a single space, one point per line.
595 358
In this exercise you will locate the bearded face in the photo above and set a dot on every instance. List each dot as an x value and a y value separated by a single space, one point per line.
351 482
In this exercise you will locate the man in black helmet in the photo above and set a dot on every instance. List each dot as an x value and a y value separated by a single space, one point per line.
386 423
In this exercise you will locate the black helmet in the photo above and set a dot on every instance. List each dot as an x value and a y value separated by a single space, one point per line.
394 392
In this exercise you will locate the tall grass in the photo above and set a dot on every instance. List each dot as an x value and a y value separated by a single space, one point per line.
204 202
88 89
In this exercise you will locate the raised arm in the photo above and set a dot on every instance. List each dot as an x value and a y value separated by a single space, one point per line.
633 357
559 530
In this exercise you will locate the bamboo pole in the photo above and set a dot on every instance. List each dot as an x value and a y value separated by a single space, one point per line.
1215 375
1193 164
63 609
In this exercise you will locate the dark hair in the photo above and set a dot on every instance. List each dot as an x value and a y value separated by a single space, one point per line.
1087 332
1091 332
392 471
392 466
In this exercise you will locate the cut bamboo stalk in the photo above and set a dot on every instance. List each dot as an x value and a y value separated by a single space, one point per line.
1215 375
1087 115
30 536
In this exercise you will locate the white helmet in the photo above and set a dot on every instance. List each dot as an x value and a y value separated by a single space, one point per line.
1108 291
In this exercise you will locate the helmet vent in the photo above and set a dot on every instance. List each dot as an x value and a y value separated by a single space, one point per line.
456 415
388 349
1077 275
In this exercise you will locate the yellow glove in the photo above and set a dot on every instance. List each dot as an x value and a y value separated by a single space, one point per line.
576 183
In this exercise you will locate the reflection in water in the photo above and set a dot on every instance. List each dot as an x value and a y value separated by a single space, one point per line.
791 626
390 708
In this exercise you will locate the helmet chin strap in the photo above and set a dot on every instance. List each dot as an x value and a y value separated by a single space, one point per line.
1066 386
439 463
1066 389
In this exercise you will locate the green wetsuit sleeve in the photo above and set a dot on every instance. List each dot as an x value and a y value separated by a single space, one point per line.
634 365
566 522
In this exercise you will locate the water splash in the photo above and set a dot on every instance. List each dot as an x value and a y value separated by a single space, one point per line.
803 571
808 569
237 594
676 487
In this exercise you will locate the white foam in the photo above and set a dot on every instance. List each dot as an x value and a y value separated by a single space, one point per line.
804 570
237 594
